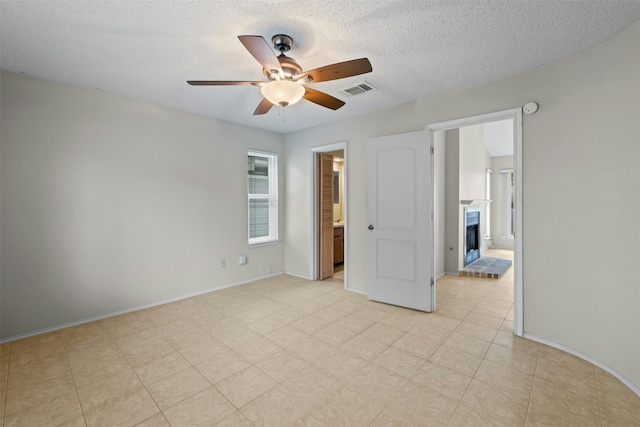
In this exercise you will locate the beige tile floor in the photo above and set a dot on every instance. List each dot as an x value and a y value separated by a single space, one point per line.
286 351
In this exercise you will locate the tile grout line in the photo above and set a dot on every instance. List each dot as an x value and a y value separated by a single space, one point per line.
6 391
468 385
161 411
371 361
483 357
139 379
75 385
533 383
400 388
595 380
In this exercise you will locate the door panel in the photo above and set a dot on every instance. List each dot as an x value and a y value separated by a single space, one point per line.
396 209
400 204
325 214
405 256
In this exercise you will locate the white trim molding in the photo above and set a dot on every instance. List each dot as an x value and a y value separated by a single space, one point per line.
300 276
314 206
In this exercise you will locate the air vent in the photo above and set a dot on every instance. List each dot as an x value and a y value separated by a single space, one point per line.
358 89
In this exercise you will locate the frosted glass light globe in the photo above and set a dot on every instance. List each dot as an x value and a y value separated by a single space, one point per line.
283 92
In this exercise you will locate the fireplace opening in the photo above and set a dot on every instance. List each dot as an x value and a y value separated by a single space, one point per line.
472 239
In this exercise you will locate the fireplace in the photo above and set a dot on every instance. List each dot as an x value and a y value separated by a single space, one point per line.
472 235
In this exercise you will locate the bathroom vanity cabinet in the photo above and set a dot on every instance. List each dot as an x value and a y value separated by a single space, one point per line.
338 244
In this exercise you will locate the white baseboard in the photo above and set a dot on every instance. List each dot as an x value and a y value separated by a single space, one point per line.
125 311
634 388
308 278
300 276
499 246
355 291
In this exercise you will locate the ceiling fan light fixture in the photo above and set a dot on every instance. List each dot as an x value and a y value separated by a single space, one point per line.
283 92
285 76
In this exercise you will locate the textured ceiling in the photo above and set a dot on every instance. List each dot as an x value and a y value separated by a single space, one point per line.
147 49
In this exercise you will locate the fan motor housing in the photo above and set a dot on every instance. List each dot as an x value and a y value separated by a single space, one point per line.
283 43
289 66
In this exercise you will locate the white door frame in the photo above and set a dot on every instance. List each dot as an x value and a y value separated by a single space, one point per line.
314 205
516 115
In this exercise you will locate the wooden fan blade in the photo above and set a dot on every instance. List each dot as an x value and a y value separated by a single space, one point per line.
222 83
263 107
260 49
339 70
322 99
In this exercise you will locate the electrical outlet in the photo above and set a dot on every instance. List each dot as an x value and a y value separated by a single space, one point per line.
223 263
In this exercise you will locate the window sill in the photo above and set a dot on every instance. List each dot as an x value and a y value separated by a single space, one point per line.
259 245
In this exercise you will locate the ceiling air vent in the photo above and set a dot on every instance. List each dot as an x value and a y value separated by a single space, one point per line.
358 89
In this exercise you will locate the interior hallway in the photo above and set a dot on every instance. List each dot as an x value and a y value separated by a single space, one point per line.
287 351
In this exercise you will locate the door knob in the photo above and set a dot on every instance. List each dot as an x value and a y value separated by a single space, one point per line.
370 227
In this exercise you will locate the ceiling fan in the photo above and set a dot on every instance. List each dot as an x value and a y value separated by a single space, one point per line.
285 85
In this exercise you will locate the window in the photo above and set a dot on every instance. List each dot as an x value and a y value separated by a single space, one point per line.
508 202
262 186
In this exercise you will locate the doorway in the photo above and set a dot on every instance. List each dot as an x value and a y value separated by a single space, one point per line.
335 259
515 115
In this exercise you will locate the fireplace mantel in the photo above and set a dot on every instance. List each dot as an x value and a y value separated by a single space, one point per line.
475 202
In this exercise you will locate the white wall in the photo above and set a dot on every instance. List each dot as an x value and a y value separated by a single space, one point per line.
453 221
498 137
580 173
109 204
497 163
474 161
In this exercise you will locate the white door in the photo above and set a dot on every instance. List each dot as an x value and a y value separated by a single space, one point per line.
400 204
325 214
